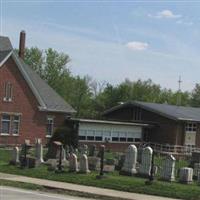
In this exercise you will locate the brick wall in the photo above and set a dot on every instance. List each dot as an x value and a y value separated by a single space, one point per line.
33 122
113 147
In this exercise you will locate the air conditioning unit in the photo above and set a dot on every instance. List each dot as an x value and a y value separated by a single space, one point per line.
107 139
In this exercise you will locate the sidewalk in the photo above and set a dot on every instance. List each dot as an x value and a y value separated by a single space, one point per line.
100 192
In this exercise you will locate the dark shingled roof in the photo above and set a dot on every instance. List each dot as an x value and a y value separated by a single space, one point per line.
51 99
184 113
5 47
48 98
5 44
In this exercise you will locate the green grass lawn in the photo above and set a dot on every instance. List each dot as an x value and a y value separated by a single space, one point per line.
113 181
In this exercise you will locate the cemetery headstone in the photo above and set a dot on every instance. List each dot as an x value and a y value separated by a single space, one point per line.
139 156
63 154
129 166
195 158
109 168
92 150
94 163
52 164
146 162
85 149
23 158
120 162
84 164
168 168
39 151
73 163
71 149
15 156
186 175
198 178
60 146
196 169
67 152
102 151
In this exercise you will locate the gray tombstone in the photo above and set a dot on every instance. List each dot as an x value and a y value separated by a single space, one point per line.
84 149
94 163
52 164
198 178
73 163
168 168
129 166
67 152
139 156
63 154
15 156
84 164
196 169
145 166
92 150
39 151
186 175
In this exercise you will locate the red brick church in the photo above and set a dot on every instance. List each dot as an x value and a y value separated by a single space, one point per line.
29 107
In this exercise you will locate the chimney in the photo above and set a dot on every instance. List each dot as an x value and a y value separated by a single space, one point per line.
22 44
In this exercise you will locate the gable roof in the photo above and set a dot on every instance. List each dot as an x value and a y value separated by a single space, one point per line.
48 99
5 44
5 48
182 113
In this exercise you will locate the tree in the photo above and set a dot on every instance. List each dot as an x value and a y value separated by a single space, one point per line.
195 96
90 97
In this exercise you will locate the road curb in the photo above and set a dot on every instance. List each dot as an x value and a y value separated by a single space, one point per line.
60 191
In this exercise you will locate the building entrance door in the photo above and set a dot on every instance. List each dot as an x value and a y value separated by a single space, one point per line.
190 138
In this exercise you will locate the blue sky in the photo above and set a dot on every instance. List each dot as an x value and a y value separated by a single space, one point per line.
114 40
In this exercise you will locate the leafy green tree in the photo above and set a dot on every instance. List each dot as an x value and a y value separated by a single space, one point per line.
195 96
89 97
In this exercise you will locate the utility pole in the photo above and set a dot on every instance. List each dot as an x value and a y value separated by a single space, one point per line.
179 92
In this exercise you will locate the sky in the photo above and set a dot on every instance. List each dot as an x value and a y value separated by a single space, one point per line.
114 40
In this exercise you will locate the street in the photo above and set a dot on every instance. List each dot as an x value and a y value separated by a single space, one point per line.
10 193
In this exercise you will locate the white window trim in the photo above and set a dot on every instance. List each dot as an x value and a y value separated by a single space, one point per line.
8 92
50 118
4 120
11 114
19 122
193 126
112 133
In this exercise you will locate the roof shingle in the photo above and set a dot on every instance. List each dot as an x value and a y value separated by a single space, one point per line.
48 98
184 113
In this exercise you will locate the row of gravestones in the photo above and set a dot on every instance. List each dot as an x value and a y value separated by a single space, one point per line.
38 152
129 165
167 169
68 153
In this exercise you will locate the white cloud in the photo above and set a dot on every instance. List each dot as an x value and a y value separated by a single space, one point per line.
168 14
187 23
137 46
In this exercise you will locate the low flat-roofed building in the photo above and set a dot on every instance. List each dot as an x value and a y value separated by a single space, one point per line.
116 135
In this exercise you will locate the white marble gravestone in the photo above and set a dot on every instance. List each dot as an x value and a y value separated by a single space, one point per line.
146 161
129 165
186 175
63 154
15 155
168 168
39 151
73 163
84 164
